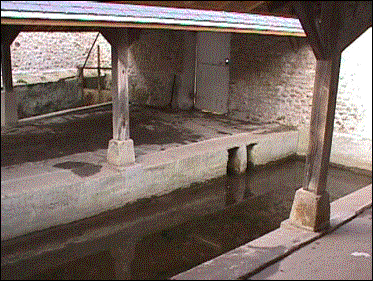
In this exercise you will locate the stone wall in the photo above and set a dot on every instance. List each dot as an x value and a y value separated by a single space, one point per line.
271 77
274 83
37 52
156 59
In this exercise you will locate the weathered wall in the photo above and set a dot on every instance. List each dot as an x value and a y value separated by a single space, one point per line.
35 52
269 83
156 59
49 97
354 100
274 83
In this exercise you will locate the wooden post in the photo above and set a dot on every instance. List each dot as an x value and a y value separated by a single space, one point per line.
322 123
311 206
121 149
9 100
120 92
99 75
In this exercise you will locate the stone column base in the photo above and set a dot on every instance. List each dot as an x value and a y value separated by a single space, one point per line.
309 211
237 161
121 153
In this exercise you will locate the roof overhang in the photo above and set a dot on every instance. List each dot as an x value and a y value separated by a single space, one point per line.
80 15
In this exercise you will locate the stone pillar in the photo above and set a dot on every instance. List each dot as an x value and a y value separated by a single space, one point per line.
237 162
185 89
311 206
121 150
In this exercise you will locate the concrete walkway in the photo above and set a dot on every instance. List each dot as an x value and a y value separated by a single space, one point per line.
344 251
344 254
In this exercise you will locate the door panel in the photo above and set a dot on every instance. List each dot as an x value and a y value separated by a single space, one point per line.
212 72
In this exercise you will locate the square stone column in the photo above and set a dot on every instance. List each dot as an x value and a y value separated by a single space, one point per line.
310 211
121 153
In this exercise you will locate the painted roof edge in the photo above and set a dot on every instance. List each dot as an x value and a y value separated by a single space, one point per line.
94 18
88 13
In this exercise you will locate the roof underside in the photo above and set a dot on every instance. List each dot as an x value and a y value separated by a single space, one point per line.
73 14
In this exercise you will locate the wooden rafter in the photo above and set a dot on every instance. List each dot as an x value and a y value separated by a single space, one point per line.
357 19
10 32
309 20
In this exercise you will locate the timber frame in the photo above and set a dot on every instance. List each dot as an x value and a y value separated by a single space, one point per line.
329 32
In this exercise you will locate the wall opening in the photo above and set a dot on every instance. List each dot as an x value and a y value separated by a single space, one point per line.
48 72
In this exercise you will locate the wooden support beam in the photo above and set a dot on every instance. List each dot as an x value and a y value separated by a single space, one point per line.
311 206
120 92
10 32
9 100
9 114
121 150
322 25
330 24
322 122
120 41
6 66
308 18
357 18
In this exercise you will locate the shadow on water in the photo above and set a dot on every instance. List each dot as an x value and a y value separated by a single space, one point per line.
158 237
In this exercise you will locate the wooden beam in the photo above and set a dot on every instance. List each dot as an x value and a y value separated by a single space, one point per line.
118 38
6 66
121 150
322 122
10 32
330 24
10 101
75 25
228 6
357 19
308 18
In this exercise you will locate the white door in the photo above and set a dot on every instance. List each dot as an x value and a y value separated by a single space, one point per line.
212 71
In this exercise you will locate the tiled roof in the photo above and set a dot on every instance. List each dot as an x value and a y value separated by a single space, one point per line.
110 12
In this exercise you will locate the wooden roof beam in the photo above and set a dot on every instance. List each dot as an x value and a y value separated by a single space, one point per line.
9 33
358 18
309 19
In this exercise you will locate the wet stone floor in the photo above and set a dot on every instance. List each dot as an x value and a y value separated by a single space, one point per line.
158 237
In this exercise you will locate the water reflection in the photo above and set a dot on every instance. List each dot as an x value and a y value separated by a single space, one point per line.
158 237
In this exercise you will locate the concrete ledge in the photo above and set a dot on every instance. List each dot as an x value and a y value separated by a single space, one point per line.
275 147
38 202
347 150
35 196
252 257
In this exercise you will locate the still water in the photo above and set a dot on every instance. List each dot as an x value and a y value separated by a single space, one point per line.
158 237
